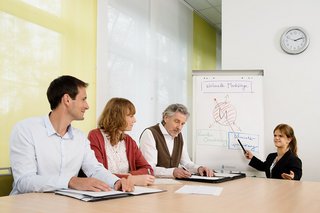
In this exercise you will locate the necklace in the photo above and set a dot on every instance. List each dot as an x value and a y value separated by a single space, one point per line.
116 148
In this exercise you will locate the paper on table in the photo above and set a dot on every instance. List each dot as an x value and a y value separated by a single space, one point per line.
204 190
165 181
218 174
139 190
93 196
204 177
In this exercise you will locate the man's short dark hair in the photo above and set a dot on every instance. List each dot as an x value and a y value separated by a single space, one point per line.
65 84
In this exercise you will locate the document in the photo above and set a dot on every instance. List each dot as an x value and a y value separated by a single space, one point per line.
203 190
94 196
218 178
205 177
231 175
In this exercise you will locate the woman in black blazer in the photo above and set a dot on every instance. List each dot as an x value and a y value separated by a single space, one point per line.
285 163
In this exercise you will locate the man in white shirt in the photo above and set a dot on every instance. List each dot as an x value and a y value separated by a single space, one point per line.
46 153
163 147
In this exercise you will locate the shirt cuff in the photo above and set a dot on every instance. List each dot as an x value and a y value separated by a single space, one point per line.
63 182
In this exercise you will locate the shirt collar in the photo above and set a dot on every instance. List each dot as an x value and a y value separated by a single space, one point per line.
52 131
164 131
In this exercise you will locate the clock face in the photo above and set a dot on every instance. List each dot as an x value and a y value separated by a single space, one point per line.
294 40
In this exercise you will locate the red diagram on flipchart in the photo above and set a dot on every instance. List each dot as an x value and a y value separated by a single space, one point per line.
225 114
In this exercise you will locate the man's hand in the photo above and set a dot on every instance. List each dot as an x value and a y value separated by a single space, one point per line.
181 173
88 184
125 185
204 171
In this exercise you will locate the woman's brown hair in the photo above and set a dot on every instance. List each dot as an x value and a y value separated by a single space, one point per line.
112 120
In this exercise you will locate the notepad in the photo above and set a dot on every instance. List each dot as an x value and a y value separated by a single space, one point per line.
203 190
218 178
95 196
231 175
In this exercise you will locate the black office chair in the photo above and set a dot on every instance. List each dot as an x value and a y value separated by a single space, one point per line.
6 181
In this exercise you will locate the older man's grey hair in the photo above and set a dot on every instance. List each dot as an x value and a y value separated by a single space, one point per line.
173 108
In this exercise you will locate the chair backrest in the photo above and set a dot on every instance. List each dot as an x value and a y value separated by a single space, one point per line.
6 180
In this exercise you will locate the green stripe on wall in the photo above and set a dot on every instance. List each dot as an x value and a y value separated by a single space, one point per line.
204 45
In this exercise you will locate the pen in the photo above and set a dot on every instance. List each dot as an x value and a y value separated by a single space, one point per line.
149 173
185 169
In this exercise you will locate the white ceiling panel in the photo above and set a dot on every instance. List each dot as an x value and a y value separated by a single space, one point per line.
210 10
212 14
214 2
198 4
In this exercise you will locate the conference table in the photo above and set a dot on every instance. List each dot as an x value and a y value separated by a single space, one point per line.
242 195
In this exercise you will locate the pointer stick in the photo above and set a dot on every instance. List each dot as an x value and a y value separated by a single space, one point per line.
244 151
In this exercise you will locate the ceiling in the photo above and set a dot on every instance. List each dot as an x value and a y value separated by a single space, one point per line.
209 10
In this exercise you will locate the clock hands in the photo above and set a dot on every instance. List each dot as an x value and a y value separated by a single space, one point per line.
298 39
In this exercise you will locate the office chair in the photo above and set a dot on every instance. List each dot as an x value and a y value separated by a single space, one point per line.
6 180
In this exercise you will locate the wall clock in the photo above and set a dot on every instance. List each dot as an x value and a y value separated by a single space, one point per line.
294 40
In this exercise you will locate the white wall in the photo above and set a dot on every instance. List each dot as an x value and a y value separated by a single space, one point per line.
143 50
251 33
